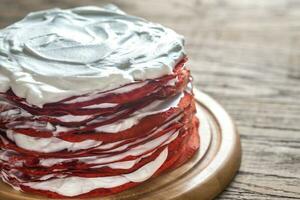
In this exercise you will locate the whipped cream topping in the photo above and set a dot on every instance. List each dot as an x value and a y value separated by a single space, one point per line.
55 54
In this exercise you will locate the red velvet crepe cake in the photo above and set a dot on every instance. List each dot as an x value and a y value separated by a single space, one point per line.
93 102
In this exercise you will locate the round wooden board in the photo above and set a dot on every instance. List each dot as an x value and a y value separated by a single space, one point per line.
203 177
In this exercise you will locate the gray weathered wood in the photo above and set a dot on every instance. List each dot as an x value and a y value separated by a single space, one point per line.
246 54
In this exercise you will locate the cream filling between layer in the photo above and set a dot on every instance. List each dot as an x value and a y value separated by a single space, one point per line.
47 145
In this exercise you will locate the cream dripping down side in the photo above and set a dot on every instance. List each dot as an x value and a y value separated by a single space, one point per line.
55 54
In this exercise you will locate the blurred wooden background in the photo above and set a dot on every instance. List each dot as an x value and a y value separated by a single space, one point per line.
246 54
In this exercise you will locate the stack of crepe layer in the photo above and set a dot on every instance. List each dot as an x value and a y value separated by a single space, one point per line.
100 143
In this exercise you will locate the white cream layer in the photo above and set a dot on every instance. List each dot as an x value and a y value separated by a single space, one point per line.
55 54
48 145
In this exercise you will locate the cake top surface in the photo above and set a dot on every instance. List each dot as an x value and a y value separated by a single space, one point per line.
54 54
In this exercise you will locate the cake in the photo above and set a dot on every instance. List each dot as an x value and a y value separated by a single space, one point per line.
93 102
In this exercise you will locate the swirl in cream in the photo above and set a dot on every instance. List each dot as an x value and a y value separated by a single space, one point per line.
55 54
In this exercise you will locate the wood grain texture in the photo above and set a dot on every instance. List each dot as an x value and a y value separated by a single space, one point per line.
246 54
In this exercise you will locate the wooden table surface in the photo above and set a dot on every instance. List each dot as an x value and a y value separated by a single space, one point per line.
244 53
